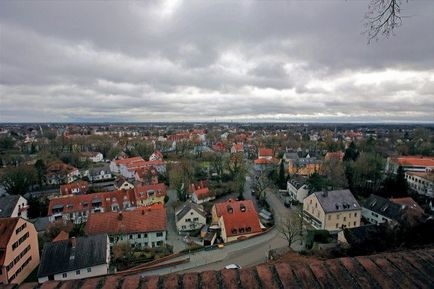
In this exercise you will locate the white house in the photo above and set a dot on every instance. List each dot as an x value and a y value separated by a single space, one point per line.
189 217
201 196
377 210
76 258
100 174
13 206
140 228
297 190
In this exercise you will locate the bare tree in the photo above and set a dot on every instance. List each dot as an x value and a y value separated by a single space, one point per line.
290 227
382 18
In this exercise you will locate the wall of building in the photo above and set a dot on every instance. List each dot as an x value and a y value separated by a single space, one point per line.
141 240
98 270
347 219
24 258
373 217
192 224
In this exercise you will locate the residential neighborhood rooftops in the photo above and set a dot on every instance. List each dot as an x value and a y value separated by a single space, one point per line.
264 152
137 221
404 269
7 227
338 200
383 207
72 254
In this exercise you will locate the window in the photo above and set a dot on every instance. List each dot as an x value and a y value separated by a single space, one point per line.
310 201
337 217
183 227
195 219
316 205
329 217
354 223
131 236
345 219
89 270
159 234
146 235
337 225
64 275
77 272
355 214
188 220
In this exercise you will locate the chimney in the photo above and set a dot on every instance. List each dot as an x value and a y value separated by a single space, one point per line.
73 242
325 193
120 216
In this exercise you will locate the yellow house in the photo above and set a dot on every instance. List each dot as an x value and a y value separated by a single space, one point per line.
332 211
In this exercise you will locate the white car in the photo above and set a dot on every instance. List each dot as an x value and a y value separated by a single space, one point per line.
233 266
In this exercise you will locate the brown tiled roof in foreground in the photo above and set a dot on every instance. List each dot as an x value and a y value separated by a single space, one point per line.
406 269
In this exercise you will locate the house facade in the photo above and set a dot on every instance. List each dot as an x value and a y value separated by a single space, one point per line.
201 196
77 208
189 217
13 206
75 188
140 228
421 182
237 219
19 251
147 195
377 210
332 210
100 174
297 190
75 258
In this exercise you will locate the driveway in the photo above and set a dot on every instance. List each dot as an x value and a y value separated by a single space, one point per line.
172 234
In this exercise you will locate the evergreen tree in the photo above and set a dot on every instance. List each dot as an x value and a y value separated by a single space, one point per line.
351 153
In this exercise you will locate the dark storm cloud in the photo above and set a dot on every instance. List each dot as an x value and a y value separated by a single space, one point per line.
196 60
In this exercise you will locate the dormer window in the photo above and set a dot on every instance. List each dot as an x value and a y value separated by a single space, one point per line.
248 229
230 209
234 231
242 208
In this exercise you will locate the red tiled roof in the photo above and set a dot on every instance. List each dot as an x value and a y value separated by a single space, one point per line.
334 155
405 269
236 218
67 189
414 161
409 203
263 161
264 152
159 189
76 203
202 193
129 160
61 237
137 221
238 147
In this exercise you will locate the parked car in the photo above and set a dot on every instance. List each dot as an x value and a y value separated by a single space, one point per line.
233 266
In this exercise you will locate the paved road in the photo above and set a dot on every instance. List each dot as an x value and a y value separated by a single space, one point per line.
246 253
172 234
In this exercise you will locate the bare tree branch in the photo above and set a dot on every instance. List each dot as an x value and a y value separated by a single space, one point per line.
382 18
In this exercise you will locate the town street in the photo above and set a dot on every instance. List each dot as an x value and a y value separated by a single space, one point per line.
246 253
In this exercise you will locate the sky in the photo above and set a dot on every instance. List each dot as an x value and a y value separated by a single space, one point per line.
174 60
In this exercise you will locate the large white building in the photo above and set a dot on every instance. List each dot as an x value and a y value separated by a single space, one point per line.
421 182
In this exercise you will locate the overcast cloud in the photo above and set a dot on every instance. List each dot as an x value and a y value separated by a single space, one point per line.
204 60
